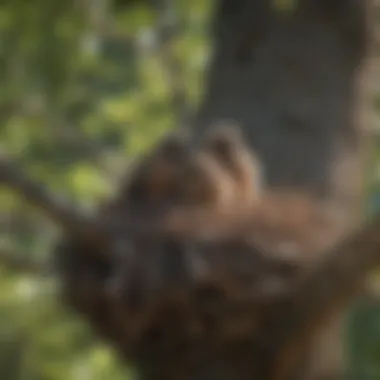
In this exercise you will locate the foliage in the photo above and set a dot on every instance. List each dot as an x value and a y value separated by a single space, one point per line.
85 89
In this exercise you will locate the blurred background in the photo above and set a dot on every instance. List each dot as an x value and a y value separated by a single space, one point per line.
86 86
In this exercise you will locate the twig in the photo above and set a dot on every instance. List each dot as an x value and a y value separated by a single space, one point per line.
59 212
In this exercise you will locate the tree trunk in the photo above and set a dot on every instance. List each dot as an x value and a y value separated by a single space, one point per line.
293 80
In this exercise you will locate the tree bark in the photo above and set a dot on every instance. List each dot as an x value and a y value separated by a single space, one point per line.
291 81
295 82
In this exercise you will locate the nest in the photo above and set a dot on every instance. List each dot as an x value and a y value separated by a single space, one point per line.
195 284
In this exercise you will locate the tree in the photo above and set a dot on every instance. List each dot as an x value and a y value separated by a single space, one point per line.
281 112
276 72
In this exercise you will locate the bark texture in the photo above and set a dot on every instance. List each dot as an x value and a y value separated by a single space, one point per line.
294 80
291 80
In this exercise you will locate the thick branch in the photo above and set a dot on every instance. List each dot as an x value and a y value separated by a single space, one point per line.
323 293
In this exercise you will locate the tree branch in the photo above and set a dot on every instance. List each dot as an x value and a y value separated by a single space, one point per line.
59 212
327 290
16 263
323 292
